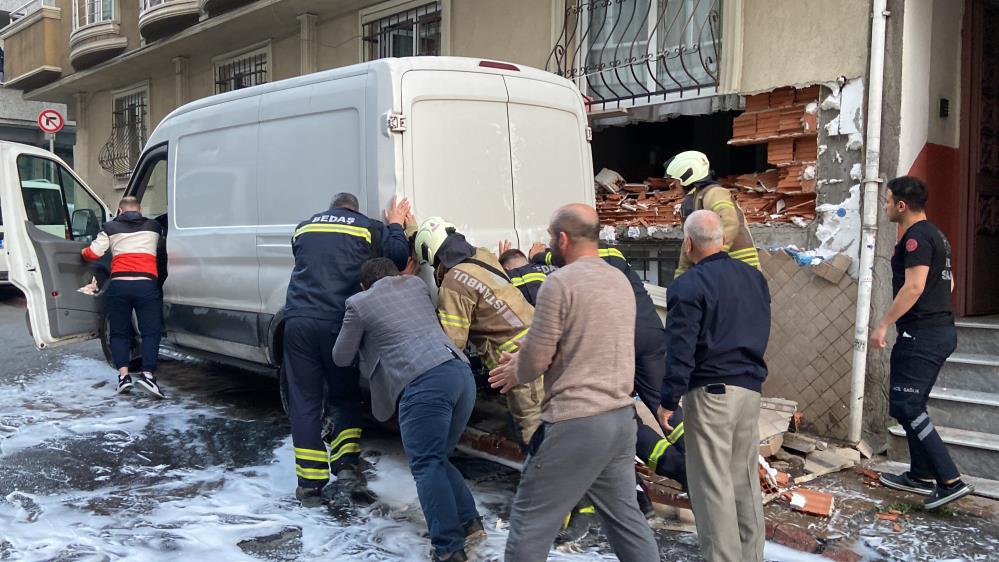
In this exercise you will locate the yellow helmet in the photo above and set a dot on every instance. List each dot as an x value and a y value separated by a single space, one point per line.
429 238
688 167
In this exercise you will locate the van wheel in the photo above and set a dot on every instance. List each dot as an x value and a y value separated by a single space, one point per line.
283 385
104 334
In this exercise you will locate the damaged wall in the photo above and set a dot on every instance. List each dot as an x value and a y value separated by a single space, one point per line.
799 42
811 339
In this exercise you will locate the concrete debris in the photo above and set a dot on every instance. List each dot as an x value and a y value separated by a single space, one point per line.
609 181
800 443
770 445
866 450
834 269
819 463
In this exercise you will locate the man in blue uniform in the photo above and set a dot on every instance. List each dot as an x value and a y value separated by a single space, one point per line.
921 282
329 249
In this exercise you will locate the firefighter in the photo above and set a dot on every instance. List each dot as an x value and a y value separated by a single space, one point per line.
478 304
663 455
693 171
524 275
329 248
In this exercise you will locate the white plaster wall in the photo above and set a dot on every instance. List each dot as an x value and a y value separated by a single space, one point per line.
917 31
945 72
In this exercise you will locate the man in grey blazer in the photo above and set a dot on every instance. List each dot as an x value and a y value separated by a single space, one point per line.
392 325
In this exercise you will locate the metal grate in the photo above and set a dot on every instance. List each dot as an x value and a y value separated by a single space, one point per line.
241 72
121 152
654 262
625 53
415 32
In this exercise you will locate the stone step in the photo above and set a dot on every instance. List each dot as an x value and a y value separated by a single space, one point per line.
964 409
978 336
975 453
970 371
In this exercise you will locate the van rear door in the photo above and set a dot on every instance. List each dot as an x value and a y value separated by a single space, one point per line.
457 151
550 153
49 216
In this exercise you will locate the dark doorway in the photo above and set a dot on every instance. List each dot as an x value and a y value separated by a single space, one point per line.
978 280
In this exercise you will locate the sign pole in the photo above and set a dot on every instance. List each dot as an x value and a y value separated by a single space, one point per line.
51 142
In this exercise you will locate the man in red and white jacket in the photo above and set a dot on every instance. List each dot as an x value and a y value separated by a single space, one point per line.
133 241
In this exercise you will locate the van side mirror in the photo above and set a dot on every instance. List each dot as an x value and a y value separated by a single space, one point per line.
84 225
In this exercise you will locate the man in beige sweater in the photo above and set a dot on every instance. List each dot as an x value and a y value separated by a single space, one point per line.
583 339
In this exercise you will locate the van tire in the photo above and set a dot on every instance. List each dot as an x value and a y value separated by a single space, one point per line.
104 334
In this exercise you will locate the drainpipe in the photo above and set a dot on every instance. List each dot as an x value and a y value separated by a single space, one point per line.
869 229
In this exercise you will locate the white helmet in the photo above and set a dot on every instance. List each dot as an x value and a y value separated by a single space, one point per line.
688 167
429 238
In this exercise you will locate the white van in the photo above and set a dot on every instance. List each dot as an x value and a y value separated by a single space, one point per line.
493 147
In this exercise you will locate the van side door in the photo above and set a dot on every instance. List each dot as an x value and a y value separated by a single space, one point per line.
49 216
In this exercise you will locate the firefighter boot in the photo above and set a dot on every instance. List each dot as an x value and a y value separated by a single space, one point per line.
577 524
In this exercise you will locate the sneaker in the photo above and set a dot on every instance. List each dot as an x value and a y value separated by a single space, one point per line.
578 525
475 533
906 483
147 382
311 496
125 384
943 495
456 556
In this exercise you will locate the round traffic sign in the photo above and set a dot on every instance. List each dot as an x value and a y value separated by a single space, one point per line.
50 121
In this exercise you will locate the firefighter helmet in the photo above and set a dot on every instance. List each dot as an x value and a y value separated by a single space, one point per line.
430 237
688 167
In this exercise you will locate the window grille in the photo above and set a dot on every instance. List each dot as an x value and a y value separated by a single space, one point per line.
412 32
243 71
128 134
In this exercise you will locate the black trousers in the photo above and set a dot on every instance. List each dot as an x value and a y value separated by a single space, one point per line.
650 365
313 379
916 360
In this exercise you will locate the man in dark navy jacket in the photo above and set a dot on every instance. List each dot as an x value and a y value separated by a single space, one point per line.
329 249
718 324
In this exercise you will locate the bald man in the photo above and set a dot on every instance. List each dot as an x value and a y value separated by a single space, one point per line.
717 326
586 442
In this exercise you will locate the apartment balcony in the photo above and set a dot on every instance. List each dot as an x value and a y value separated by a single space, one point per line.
97 35
160 18
32 45
213 7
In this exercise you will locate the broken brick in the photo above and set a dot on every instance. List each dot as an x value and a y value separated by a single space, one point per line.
791 536
809 94
781 97
758 102
811 502
744 126
841 555
780 151
806 149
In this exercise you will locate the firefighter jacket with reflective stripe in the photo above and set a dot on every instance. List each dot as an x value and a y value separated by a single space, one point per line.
133 241
738 241
646 317
478 306
329 249
528 278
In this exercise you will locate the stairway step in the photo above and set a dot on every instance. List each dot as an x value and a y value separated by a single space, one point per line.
976 453
977 336
964 409
983 486
971 371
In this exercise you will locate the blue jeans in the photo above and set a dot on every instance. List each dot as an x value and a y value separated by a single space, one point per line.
916 360
146 299
433 412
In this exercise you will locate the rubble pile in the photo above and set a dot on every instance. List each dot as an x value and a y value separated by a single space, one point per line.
785 120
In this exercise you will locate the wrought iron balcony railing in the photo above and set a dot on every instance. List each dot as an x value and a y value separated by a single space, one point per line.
628 53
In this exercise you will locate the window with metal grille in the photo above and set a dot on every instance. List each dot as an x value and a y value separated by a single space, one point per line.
242 71
406 33
128 133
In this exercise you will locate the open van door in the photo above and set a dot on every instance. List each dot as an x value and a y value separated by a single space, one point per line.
49 216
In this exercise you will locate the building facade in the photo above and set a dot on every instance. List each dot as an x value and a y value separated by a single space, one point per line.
776 92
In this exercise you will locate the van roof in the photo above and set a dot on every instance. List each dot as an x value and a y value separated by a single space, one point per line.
388 66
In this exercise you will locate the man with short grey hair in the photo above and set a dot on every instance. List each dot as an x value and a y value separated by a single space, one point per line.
718 324
586 442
